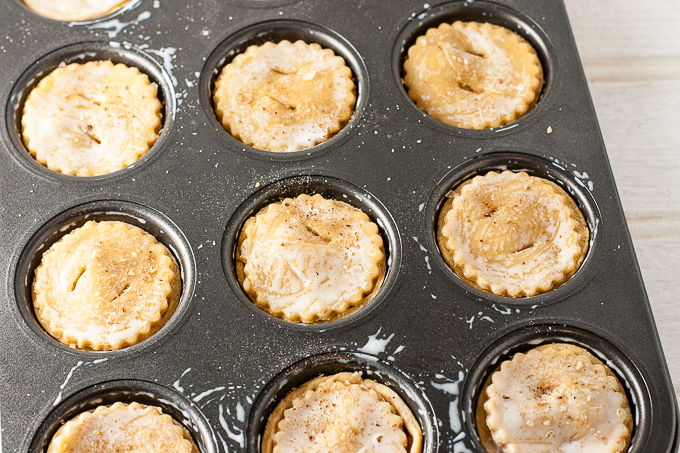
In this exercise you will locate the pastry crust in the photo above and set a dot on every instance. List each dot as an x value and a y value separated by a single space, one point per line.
558 398
473 75
310 259
342 413
284 97
122 428
105 286
74 10
512 234
91 119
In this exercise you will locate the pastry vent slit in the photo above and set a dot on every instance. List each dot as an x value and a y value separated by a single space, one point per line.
125 288
74 284
92 135
292 108
281 71
474 53
464 86
316 233
524 247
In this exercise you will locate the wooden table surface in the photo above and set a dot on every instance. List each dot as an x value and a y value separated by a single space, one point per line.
631 55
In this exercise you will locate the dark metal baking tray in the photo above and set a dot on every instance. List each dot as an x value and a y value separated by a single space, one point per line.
221 364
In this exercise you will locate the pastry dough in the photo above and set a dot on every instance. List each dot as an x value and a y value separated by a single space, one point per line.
91 119
342 413
122 428
105 286
557 398
512 234
473 75
284 97
73 10
310 259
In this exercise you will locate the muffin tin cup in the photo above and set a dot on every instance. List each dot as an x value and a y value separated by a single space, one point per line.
181 409
277 31
533 166
332 363
83 53
149 220
426 334
329 188
478 11
629 376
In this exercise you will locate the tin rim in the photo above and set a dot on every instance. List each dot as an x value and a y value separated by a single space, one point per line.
526 338
83 53
534 166
147 219
479 11
276 31
332 363
331 188
147 393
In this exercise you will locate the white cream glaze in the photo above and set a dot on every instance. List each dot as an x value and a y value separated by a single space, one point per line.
73 10
310 258
342 417
105 285
512 233
91 119
284 97
473 75
557 398
122 428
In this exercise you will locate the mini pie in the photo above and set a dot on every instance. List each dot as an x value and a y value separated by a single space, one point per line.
342 413
122 428
473 75
310 259
558 398
284 97
105 286
73 10
512 234
91 119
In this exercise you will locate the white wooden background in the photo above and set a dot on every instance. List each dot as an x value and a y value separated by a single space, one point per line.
630 51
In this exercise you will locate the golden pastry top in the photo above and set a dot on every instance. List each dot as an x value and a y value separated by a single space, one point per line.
558 397
122 428
473 75
342 413
308 258
91 119
73 10
284 97
104 286
514 234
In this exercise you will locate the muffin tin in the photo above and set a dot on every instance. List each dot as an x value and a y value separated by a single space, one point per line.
220 365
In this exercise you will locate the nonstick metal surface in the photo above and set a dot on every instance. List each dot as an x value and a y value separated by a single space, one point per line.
221 364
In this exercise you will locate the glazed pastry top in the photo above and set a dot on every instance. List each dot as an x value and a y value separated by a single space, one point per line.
284 97
91 119
309 258
105 285
473 75
558 398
